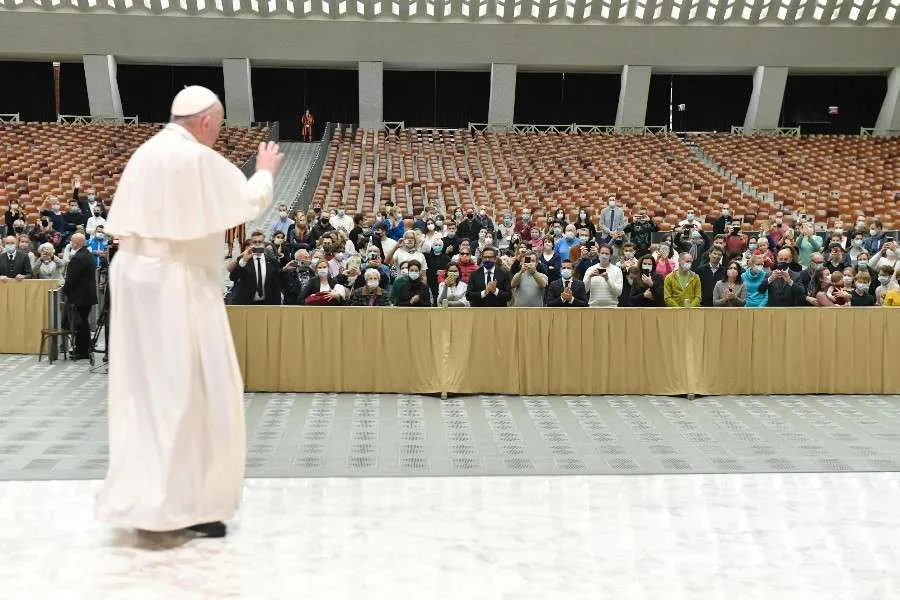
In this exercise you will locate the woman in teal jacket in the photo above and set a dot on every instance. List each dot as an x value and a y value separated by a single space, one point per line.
753 278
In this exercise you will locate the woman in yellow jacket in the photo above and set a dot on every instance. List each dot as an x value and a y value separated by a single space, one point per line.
681 287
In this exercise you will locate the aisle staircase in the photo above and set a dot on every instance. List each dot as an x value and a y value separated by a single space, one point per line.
298 158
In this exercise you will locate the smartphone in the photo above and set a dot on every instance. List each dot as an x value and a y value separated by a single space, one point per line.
259 250
601 271
782 266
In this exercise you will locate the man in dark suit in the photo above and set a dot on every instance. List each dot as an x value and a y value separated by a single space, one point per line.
567 291
489 285
258 274
80 290
710 273
13 263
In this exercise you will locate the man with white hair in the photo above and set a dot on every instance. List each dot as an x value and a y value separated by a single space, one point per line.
176 420
80 289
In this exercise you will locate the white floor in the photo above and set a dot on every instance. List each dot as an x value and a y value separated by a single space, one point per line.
738 537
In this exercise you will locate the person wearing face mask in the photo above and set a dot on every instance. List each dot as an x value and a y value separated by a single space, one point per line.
628 258
640 232
524 225
52 211
257 275
452 289
451 240
550 260
836 259
569 241
730 291
779 284
351 275
612 221
98 244
73 218
48 265
886 283
584 222
299 236
681 288
861 296
323 289
836 293
414 292
14 265
489 285
342 218
892 297
690 221
294 277
778 230
567 291
399 281
466 262
886 256
537 241
691 240
282 223
736 243
469 228
431 235
505 232
710 274
721 225
370 293
665 262
89 201
95 220
321 226
484 220
753 278
877 237
437 261
280 249
604 281
13 214
807 243
528 284
647 290
406 250
589 256
857 243
559 215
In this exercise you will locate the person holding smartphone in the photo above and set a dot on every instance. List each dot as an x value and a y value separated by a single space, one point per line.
528 284
731 291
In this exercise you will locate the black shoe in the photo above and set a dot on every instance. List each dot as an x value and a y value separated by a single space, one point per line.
216 529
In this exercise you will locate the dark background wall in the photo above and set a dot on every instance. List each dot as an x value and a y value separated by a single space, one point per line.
712 102
73 89
565 98
436 98
147 90
27 88
807 98
282 94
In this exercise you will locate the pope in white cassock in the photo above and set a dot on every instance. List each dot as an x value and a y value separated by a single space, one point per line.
176 420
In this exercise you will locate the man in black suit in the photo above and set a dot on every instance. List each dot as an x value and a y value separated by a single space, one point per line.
489 285
258 273
13 263
567 291
710 273
80 290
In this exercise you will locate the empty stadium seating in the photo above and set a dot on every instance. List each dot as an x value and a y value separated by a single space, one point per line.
511 171
825 176
39 159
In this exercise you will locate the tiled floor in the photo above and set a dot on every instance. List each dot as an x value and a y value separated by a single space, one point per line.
747 537
53 426
362 507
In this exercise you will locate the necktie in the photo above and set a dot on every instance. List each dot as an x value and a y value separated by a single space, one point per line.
611 211
372 300
490 276
259 281
9 264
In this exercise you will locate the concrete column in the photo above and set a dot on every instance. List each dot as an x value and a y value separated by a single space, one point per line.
632 110
502 105
889 117
371 95
238 91
102 86
764 110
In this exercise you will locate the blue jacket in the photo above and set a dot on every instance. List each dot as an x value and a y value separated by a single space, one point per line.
755 298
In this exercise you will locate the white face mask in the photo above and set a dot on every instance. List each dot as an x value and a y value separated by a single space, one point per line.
340 212
372 283
566 273
323 273
283 214
583 238
629 255
848 281
404 272
413 275
604 259
890 253
862 287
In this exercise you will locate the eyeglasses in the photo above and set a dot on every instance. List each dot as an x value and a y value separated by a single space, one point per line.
464 254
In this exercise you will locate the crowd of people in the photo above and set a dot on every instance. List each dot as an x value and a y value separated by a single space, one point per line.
609 259
42 248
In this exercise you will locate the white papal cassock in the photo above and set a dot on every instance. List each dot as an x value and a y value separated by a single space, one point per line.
176 421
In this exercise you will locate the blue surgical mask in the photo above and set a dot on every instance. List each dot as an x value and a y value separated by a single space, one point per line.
863 264
566 273
437 249
882 279
10 248
413 275
488 264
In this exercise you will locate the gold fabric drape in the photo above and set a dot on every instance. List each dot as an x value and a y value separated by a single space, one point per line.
23 313
569 351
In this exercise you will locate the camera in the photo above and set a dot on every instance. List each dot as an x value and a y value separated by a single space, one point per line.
258 250
782 266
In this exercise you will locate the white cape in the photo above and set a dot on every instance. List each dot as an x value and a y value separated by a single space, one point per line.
176 420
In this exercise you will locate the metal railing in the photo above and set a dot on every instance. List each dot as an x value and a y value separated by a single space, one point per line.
394 126
92 119
872 132
773 131
311 180
573 128
10 118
